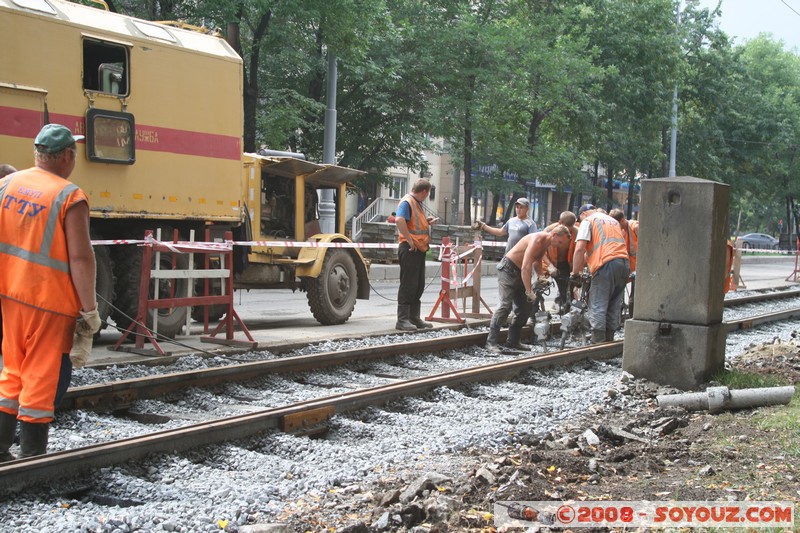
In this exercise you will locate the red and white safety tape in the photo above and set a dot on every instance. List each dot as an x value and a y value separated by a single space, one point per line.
285 244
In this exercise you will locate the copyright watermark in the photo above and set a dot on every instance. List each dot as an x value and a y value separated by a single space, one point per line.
644 514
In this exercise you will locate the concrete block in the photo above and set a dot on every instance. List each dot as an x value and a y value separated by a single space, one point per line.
674 354
680 269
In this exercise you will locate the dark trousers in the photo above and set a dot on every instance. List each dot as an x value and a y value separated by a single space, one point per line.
412 275
562 282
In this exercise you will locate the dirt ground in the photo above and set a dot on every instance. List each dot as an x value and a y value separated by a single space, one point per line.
681 455
641 452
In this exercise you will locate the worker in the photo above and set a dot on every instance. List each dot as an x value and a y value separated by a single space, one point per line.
5 170
514 282
558 261
392 219
730 256
413 233
516 227
601 245
630 229
47 280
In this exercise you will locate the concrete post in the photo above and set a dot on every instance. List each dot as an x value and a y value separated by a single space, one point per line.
676 336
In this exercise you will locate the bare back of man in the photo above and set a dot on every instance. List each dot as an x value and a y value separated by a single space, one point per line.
531 247
528 252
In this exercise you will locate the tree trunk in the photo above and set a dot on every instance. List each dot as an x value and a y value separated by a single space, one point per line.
251 81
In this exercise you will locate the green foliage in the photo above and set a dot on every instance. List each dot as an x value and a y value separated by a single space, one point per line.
736 379
536 89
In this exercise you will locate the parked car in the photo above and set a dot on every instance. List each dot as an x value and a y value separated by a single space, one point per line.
759 240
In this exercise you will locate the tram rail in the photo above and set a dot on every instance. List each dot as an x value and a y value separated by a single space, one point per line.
299 416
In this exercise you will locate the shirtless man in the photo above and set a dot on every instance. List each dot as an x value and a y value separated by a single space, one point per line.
514 281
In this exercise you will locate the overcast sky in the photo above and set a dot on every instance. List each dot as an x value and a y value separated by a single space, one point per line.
745 19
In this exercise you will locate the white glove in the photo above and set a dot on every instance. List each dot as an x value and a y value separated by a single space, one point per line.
542 282
85 328
530 296
552 270
90 323
477 225
81 348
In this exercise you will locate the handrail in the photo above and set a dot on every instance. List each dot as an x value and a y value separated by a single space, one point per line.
375 211
370 213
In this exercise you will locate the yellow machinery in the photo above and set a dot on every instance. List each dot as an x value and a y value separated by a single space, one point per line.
161 108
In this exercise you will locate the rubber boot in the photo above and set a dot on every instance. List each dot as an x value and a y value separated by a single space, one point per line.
8 427
413 316
33 439
598 336
403 322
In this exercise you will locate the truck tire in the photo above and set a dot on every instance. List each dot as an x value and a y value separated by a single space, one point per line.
104 283
332 296
128 269
215 312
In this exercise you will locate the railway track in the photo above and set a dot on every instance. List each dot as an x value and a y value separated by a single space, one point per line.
295 417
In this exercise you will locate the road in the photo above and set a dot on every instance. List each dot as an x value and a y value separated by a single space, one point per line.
280 316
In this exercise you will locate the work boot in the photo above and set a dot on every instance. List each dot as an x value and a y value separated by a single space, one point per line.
609 335
598 336
33 439
414 318
493 348
516 345
403 322
8 427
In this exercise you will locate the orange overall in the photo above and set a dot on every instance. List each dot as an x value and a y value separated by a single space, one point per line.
39 301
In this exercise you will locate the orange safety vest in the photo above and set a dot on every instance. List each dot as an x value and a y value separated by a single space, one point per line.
730 252
632 242
552 252
34 262
608 241
418 226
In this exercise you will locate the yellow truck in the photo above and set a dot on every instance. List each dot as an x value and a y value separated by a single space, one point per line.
161 109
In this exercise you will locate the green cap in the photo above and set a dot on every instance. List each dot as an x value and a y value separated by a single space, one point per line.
54 137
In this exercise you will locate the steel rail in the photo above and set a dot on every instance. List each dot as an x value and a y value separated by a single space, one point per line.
23 473
765 297
121 394
753 321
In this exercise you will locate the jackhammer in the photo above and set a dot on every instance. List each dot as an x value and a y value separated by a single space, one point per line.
576 320
541 317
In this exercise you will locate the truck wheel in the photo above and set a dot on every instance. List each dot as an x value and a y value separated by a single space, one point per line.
332 296
104 282
128 268
215 312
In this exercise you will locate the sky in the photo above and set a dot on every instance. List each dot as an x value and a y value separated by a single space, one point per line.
745 19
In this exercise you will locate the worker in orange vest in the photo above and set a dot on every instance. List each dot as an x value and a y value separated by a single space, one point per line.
413 231
630 229
601 245
47 277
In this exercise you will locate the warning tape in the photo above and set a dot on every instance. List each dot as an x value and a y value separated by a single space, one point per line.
765 251
285 244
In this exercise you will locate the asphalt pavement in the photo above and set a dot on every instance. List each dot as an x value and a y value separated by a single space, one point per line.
278 317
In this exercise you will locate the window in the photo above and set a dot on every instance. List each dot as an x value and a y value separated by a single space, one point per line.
399 187
110 136
106 67
156 32
36 5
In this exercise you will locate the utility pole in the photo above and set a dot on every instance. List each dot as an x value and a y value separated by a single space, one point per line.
327 207
673 141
